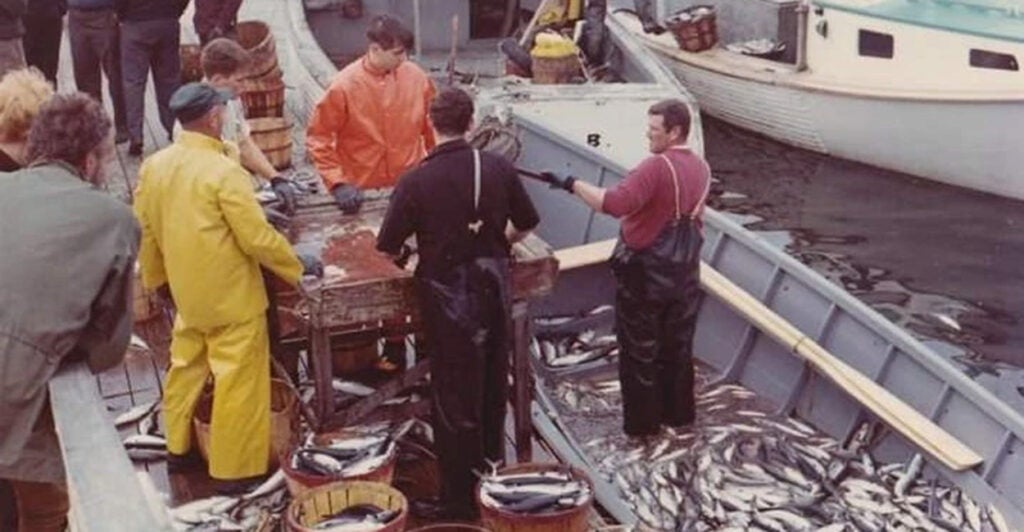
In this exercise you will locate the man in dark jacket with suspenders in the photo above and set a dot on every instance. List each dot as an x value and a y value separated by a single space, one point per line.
458 203
656 264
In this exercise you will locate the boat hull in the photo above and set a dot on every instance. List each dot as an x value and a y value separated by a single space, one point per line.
959 142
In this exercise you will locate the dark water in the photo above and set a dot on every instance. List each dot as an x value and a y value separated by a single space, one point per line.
947 264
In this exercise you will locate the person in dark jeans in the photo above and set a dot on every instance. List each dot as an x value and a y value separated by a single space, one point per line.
43 25
149 40
95 50
215 18
12 54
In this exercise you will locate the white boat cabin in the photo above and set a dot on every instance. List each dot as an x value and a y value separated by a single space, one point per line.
955 46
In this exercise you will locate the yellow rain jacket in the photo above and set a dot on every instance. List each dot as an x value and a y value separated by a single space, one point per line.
205 234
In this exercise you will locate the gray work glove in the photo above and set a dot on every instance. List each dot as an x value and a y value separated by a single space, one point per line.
563 182
286 193
311 265
278 219
348 197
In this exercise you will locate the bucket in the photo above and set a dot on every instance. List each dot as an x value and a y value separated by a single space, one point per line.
283 420
694 28
300 482
255 36
568 520
313 506
264 99
191 68
555 70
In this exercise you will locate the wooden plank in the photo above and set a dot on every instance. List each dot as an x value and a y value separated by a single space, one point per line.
910 423
584 255
105 492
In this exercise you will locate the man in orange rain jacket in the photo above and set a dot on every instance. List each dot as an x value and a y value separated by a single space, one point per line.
371 125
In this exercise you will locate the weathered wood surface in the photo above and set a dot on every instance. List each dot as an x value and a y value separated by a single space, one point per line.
106 495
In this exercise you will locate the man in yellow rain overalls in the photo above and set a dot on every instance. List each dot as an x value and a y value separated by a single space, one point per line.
205 237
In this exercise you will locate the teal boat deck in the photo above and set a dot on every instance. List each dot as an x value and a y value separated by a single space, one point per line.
994 19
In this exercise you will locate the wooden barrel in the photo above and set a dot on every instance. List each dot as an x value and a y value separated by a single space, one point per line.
264 98
273 136
255 36
318 504
300 482
283 421
568 520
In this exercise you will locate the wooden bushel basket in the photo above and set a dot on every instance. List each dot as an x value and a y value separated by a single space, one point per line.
283 421
317 504
568 520
273 136
191 68
300 482
264 99
694 33
255 36
555 70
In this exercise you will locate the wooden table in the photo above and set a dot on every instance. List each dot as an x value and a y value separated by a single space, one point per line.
362 290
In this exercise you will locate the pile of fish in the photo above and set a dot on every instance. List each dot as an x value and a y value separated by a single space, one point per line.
259 509
355 518
533 492
559 345
361 451
741 468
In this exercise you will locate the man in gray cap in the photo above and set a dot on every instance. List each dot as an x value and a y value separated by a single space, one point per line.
204 237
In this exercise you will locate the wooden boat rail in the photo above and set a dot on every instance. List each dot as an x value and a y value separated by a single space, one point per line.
106 493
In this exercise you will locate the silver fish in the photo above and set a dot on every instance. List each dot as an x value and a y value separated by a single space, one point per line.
352 388
135 413
146 441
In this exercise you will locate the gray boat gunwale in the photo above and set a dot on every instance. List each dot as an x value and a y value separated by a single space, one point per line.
896 341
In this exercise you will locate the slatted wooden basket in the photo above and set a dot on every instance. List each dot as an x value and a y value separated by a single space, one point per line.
283 421
318 504
273 136
256 37
264 98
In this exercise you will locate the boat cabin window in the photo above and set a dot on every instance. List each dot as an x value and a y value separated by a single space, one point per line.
995 60
875 44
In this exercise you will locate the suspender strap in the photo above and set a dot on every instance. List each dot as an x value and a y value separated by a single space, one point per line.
676 184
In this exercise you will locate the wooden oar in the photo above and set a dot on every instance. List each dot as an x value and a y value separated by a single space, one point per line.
913 425
910 423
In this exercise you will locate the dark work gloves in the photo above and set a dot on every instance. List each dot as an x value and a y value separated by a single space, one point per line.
311 265
286 192
349 198
557 181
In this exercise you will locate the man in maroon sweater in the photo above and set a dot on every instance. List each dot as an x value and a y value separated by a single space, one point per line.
656 264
